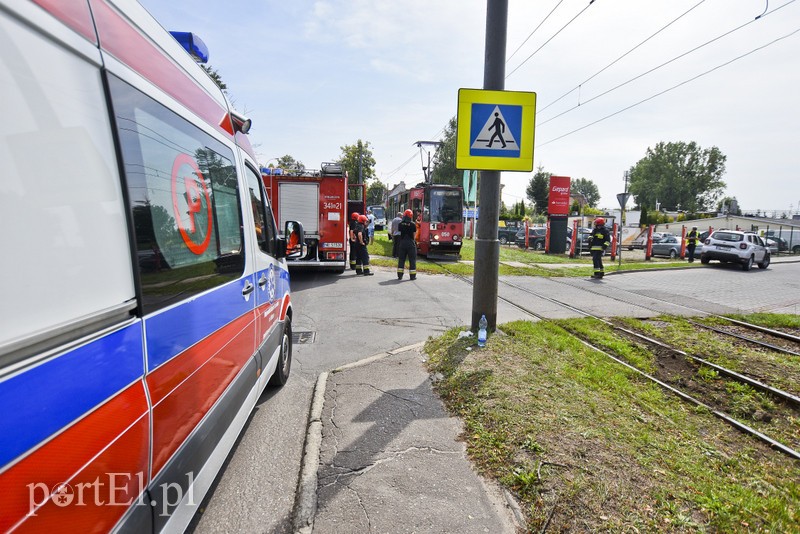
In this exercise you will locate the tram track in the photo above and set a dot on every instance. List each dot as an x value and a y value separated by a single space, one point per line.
785 398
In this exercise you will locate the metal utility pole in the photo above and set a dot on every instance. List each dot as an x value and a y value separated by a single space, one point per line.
487 247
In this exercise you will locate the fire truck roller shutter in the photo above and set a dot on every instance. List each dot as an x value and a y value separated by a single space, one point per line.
300 202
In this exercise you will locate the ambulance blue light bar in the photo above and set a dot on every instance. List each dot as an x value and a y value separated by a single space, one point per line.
192 44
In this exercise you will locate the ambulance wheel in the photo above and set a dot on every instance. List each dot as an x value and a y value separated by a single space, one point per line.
281 374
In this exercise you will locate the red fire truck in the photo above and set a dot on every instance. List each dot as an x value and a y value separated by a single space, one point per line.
321 201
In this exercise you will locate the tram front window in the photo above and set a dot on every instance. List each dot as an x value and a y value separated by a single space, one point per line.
445 206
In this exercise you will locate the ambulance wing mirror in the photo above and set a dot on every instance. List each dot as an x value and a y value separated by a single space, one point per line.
293 244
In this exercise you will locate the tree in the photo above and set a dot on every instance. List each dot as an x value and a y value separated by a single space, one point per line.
444 162
216 77
588 189
376 193
351 154
679 174
729 205
288 163
538 190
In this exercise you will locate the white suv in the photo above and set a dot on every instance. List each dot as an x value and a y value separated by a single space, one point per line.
745 248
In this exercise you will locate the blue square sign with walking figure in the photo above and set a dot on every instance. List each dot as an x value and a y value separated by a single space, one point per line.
495 130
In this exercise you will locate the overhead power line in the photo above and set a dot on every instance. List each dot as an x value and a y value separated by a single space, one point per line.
661 65
623 55
581 12
534 31
671 88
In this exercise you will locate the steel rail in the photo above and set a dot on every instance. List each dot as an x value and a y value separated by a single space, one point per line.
720 415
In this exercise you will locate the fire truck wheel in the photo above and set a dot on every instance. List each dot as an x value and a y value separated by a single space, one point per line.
281 374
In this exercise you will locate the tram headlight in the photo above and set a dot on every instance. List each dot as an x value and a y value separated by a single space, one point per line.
456 237
436 237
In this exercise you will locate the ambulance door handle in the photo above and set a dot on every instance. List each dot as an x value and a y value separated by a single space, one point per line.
263 280
248 288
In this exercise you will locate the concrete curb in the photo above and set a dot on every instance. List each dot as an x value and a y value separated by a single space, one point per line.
305 505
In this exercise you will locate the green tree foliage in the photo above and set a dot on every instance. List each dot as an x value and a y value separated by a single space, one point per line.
726 202
288 163
444 162
216 77
679 176
538 190
519 210
588 189
376 193
351 154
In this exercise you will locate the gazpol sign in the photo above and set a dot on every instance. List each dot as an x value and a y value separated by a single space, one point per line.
495 130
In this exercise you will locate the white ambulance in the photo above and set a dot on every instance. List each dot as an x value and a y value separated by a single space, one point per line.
144 294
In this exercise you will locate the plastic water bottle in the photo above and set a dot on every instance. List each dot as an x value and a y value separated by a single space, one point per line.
482 325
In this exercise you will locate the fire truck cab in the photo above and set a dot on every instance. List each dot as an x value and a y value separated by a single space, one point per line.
318 200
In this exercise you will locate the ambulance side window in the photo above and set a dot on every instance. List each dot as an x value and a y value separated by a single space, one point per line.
265 226
184 196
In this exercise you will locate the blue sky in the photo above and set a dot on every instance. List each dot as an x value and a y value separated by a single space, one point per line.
316 75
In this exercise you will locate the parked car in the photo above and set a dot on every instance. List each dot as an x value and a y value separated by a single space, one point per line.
535 238
745 248
772 245
780 243
507 234
669 246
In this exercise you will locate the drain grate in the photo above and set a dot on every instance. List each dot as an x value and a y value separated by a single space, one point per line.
302 337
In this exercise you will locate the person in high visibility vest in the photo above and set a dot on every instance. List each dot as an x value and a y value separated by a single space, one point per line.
599 242
691 242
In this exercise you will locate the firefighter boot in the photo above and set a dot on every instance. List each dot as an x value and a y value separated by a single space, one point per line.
399 274
367 272
359 270
413 275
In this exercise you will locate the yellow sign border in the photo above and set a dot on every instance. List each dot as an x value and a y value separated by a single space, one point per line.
467 97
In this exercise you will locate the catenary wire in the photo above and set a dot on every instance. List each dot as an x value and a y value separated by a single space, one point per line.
698 47
671 88
534 30
581 12
623 55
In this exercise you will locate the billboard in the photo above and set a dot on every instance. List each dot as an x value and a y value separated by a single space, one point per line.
558 199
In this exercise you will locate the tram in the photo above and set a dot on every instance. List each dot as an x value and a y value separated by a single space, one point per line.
439 214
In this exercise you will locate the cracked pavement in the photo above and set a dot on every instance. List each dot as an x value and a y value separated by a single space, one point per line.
391 461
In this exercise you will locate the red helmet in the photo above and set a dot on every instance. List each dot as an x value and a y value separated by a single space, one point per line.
408 213
354 216
599 221
362 218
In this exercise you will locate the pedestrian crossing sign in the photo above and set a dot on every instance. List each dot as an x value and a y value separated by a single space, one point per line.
495 130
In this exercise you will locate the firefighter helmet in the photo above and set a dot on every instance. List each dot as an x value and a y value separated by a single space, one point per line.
362 218
599 221
354 216
408 213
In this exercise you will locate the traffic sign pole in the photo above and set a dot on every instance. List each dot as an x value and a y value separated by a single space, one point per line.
487 247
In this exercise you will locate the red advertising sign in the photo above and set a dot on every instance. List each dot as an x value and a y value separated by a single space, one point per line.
558 203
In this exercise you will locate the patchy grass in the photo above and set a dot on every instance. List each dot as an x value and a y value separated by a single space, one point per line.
588 445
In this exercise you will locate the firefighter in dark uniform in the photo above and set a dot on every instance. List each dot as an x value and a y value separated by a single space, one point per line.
352 236
691 242
407 247
362 236
597 246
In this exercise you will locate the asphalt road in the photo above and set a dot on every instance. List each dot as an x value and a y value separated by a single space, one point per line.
345 318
